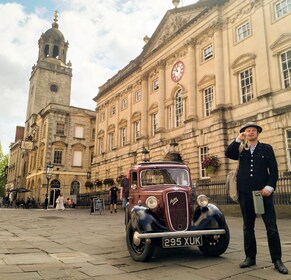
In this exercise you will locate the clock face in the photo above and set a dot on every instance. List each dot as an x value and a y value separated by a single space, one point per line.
177 71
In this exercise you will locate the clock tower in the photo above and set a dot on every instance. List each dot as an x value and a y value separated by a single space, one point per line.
51 76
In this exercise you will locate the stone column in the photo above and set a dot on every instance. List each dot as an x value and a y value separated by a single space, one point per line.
192 94
144 100
219 80
161 97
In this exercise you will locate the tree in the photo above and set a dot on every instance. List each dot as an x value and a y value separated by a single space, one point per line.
3 171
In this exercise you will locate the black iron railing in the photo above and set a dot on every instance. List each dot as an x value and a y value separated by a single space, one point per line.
215 189
217 192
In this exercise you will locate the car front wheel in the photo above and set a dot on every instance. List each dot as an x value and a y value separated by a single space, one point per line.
139 249
214 247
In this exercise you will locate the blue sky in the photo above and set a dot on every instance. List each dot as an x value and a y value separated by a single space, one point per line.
103 37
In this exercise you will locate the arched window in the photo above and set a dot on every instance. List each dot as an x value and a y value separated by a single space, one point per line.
56 51
178 108
46 50
55 183
75 188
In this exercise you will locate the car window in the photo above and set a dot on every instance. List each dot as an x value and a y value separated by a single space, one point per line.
164 176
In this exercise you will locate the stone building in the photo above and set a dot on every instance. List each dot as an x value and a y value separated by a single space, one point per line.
207 69
56 134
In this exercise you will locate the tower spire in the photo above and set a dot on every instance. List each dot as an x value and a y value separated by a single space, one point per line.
56 16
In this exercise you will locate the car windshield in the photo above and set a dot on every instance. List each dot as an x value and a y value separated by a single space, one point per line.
164 176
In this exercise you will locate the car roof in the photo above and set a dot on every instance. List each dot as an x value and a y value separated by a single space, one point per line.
158 164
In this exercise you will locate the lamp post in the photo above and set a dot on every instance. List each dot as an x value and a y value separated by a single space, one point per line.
145 155
48 173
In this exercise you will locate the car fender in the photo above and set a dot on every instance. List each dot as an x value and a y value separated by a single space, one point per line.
208 217
143 221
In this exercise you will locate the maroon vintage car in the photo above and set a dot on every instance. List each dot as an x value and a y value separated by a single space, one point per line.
164 211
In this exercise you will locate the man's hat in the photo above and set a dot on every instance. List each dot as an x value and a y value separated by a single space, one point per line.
250 124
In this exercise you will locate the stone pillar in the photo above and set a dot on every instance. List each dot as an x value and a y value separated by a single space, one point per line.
161 97
219 80
192 94
144 112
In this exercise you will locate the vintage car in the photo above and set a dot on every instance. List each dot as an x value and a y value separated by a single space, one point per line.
163 211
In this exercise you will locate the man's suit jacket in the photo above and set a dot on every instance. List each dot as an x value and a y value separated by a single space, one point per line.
256 170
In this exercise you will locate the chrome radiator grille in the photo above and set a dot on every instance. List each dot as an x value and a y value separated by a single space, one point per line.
177 210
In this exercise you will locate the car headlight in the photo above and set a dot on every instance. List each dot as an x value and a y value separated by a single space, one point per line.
151 202
202 200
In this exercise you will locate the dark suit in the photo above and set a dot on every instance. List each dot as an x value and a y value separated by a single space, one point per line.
256 171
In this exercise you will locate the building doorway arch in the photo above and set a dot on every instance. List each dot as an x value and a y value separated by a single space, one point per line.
54 192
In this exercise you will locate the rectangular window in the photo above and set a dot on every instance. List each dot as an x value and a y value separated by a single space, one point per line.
77 158
178 109
138 96
154 123
93 134
288 141
207 53
58 157
286 68
208 100
123 136
155 85
246 85
124 104
111 141
79 131
136 130
282 8
60 129
203 155
243 31
101 145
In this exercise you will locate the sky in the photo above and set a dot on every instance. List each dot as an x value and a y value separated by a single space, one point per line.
104 36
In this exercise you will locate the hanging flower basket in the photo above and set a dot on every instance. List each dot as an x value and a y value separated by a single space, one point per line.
211 164
89 185
98 183
108 181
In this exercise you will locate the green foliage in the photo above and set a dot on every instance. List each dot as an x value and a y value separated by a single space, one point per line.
3 168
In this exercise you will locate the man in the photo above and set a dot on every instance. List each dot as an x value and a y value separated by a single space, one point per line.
257 170
113 198
124 189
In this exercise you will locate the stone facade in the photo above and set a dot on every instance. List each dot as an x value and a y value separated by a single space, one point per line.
207 69
55 133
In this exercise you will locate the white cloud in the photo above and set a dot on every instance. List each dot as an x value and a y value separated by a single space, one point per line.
103 37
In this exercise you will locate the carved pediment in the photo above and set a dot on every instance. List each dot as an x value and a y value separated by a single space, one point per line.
283 42
173 21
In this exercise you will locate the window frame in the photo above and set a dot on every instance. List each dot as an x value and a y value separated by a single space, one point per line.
179 109
122 136
287 70
243 88
208 98
58 156
245 32
203 154
287 7
209 55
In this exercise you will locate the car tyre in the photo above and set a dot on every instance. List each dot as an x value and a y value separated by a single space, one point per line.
141 253
215 248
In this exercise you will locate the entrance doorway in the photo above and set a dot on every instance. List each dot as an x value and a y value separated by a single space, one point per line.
54 194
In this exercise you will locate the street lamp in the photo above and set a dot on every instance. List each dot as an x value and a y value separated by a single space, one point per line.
145 155
48 174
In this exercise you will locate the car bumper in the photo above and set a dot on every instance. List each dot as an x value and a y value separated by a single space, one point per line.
180 233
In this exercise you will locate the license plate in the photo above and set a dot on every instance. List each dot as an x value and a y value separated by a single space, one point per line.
182 241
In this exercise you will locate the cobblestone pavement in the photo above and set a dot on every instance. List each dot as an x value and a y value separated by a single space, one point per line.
72 244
